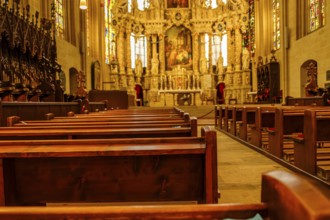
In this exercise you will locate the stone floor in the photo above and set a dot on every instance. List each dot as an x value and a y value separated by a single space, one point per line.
239 171
239 167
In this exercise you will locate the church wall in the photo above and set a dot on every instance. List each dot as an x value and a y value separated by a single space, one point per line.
68 56
314 46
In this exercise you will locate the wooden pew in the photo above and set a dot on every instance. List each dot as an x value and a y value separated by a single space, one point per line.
248 120
79 133
37 110
236 120
265 118
306 148
308 101
118 170
285 196
220 115
228 117
185 121
288 123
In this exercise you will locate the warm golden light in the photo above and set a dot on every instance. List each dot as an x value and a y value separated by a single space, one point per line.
83 4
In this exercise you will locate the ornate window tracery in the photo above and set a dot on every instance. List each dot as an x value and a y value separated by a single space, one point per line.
139 49
59 19
109 33
276 24
316 14
219 46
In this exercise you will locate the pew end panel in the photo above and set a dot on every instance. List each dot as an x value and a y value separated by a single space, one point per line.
291 197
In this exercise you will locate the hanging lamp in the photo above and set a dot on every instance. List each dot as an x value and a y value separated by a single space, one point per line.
83 4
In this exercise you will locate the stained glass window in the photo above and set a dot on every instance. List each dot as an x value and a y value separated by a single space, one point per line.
250 38
59 21
276 24
316 14
110 46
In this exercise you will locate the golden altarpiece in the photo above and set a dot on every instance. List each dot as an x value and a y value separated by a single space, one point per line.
177 64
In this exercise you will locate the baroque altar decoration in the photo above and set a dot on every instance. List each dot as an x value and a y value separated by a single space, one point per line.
178 48
28 67
182 35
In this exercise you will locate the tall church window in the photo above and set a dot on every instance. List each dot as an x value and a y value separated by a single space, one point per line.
316 14
138 49
59 20
276 24
219 47
109 33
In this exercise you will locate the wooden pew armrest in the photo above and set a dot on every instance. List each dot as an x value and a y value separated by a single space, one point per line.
298 139
271 131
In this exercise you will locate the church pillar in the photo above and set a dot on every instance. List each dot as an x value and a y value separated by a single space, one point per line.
230 50
238 48
195 53
210 53
195 77
130 76
161 54
121 59
149 55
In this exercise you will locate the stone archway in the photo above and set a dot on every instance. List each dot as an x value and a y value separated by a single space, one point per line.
73 80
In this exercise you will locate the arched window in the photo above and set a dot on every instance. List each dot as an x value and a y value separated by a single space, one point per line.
59 22
138 49
276 24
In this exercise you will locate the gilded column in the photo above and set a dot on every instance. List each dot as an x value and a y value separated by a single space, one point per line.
238 48
230 51
120 51
210 54
195 53
130 76
149 55
128 54
121 59
161 54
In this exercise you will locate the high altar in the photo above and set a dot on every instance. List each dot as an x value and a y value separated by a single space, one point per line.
178 66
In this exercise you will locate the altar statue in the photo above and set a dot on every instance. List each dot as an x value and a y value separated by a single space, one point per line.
138 67
220 64
203 66
154 65
245 59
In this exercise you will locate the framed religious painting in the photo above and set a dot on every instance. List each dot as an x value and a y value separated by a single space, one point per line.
177 3
178 48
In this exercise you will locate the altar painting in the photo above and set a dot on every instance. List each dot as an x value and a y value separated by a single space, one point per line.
177 3
178 48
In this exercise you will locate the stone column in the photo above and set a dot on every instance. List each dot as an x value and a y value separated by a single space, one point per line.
149 55
161 54
238 48
230 50
210 54
121 59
